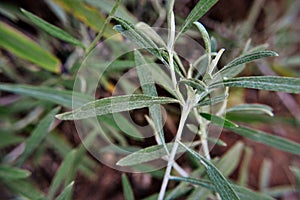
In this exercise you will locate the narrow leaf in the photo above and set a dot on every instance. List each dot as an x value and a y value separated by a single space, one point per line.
113 105
198 11
229 69
20 45
212 100
60 97
222 186
148 87
252 108
129 31
128 193
272 83
260 136
66 193
218 120
37 136
195 83
206 39
242 192
52 30
13 173
147 154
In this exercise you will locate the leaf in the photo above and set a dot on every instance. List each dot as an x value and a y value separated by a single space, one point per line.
272 83
24 188
60 97
23 47
229 70
7 139
127 189
148 87
218 120
37 136
242 192
147 154
198 11
296 172
62 173
259 136
13 173
113 105
212 100
195 83
206 39
222 186
107 5
129 31
252 108
66 193
52 30
87 14
150 32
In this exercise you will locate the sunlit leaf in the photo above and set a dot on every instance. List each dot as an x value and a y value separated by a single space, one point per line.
66 194
20 45
13 173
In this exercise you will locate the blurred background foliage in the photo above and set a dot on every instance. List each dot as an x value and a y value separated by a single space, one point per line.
44 158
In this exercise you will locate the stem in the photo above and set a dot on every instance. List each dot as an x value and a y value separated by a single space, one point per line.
185 112
103 27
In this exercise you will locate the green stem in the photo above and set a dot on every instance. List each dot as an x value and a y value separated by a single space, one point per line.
103 27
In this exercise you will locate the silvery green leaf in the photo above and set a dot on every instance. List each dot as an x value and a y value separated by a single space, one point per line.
198 11
147 154
252 108
113 105
259 136
230 70
242 192
212 100
150 32
205 37
272 83
220 183
196 84
148 87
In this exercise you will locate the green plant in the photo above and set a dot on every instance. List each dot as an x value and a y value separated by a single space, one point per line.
203 98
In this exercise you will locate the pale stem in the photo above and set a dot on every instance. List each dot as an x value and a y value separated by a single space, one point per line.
184 114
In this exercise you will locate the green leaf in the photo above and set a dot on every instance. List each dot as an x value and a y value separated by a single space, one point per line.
272 83
206 39
20 45
198 11
87 14
296 172
12 173
24 188
129 31
63 173
37 136
128 193
259 136
195 83
52 30
60 97
230 69
212 100
218 120
148 87
113 105
252 108
242 192
147 154
66 193
7 139
222 186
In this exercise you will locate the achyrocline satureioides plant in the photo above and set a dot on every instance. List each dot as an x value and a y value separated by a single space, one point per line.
197 102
